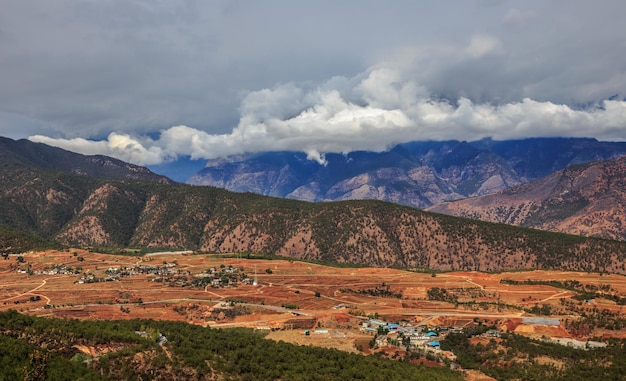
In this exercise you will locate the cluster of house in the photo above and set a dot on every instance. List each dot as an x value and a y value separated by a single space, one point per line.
53 270
116 273
407 335
224 276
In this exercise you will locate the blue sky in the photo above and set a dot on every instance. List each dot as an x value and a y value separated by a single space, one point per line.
151 81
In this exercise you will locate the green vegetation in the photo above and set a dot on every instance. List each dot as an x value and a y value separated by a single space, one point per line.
14 241
441 294
384 290
593 318
43 349
515 357
274 257
583 292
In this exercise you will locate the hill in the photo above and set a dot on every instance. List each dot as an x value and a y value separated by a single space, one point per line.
418 174
24 153
587 199
54 349
85 211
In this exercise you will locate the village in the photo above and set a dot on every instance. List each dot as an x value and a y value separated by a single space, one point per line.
166 273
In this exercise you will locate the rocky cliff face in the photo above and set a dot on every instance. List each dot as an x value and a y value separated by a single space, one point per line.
419 174
587 200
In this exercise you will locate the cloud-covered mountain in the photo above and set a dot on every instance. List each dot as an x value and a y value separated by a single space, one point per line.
418 174
374 114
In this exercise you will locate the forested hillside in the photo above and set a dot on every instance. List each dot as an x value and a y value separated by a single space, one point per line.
51 349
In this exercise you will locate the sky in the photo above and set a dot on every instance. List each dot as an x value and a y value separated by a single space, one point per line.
152 81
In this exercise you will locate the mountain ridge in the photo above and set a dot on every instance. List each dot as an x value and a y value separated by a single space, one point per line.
24 153
418 174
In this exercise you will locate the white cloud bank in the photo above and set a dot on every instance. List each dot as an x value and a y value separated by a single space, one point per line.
372 112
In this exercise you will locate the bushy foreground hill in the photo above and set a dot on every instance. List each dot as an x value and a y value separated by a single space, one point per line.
516 357
52 349
80 210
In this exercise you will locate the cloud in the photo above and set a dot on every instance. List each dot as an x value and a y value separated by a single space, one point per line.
231 77
515 16
89 68
385 106
120 146
481 45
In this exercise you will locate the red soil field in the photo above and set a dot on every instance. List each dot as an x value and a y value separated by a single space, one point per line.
316 295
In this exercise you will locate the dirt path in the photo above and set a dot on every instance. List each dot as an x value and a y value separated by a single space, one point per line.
558 295
167 352
31 292
206 289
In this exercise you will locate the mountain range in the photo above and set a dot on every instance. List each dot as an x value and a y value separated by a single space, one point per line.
50 200
419 174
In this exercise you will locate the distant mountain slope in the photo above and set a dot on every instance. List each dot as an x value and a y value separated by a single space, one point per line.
587 199
81 210
534 158
418 174
24 153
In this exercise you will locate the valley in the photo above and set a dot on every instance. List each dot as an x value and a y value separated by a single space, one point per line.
312 304
356 280
313 191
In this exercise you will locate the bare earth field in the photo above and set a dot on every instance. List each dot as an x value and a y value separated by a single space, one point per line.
292 296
